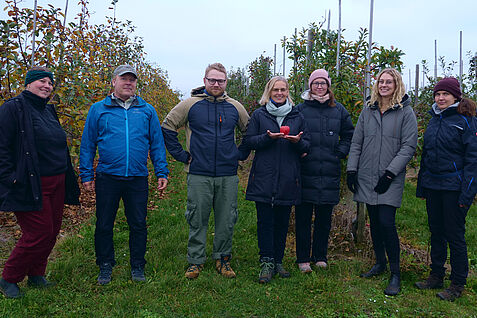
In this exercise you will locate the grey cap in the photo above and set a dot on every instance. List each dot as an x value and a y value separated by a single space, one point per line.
123 69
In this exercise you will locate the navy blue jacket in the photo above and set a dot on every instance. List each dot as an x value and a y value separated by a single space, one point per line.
449 156
331 130
275 174
20 183
209 124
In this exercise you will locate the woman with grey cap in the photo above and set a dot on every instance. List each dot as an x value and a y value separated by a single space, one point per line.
447 181
36 179
383 142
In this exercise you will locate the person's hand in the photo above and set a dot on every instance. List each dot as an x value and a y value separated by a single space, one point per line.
384 182
275 135
88 185
303 155
161 186
294 139
352 181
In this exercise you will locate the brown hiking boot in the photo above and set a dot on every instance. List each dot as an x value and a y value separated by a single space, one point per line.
194 270
432 282
451 293
223 267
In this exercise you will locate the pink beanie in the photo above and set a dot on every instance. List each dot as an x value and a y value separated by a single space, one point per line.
319 73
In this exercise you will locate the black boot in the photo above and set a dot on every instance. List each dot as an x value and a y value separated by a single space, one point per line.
39 282
376 270
394 286
10 290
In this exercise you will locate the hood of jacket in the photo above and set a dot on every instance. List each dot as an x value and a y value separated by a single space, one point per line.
200 92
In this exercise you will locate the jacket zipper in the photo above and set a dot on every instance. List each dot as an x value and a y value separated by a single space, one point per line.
126 120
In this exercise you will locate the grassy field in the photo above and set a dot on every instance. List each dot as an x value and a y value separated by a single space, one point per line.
335 292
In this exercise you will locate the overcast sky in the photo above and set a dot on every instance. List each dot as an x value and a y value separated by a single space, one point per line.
184 36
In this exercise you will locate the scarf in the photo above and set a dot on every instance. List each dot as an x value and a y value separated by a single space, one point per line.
321 99
279 112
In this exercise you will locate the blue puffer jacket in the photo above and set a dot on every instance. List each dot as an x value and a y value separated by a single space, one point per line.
331 130
449 156
124 139
275 174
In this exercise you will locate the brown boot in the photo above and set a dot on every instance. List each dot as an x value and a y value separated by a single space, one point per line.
194 270
432 282
223 267
452 292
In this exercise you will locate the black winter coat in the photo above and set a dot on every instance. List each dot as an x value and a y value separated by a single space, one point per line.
449 155
19 160
330 129
275 174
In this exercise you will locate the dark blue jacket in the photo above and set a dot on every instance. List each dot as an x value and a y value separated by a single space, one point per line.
209 124
331 130
20 183
449 156
275 174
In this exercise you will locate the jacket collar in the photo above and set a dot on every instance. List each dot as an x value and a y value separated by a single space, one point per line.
200 92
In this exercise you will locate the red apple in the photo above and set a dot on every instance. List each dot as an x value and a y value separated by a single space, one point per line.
285 130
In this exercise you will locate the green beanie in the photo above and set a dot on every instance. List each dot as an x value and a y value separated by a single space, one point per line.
33 75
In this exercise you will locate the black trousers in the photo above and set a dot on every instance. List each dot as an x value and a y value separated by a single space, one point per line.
382 219
447 225
272 229
321 232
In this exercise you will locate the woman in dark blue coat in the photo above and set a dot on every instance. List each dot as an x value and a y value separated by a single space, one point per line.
276 131
331 130
447 180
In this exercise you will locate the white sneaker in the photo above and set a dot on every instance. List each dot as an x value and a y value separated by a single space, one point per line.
305 267
321 264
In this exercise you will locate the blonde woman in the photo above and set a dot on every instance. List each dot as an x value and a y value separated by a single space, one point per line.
276 133
383 142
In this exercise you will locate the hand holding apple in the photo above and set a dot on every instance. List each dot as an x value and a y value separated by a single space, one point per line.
294 139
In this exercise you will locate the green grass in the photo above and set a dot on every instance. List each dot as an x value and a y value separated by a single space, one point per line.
335 292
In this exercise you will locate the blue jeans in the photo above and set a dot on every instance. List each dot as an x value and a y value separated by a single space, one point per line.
134 192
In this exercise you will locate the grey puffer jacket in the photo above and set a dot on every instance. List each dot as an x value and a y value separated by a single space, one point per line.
380 143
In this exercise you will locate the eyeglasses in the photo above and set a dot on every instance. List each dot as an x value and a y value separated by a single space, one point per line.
212 81
387 82
281 90
318 84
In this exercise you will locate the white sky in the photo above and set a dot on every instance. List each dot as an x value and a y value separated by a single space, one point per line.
184 36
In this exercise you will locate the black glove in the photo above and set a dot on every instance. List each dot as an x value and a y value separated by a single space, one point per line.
384 182
352 181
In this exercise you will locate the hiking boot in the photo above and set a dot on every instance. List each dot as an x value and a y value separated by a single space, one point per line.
105 271
304 268
39 282
194 270
394 286
222 266
10 290
376 270
432 282
451 293
268 269
321 264
137 274
281 271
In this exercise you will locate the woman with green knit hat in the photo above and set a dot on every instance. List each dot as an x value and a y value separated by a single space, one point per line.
36 179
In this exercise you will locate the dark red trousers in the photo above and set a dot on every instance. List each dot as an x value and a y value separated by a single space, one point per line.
39 231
